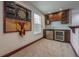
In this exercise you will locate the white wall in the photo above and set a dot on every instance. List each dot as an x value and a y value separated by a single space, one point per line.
75 36
12 41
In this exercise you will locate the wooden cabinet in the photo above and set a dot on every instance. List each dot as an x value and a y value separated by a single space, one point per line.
65 18
56 16
48 33
47 21
57 34
62 16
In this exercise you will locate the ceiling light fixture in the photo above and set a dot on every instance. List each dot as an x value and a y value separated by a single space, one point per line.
60 9
49 12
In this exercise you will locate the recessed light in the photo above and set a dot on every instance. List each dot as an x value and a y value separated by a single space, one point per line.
49 12
60 9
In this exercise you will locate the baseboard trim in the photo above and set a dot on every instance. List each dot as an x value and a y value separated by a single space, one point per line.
74 50
15 51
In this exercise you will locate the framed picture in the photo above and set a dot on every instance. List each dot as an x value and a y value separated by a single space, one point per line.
13 15
28 15
10 13
10 4
21 12
10 9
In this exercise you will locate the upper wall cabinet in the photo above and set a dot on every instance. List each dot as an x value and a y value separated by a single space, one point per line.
47 21
62 16
65 18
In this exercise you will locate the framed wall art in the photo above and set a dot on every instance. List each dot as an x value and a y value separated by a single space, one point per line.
15 14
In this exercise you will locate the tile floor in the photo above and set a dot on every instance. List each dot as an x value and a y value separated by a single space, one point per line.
46 48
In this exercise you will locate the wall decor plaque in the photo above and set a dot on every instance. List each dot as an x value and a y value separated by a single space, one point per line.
15 13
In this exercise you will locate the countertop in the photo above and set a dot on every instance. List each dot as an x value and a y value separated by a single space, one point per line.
57 29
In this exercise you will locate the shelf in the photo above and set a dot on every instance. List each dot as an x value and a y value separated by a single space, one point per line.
77 26
74 27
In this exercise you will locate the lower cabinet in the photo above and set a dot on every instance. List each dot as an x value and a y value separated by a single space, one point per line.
57 34
49 35
62 35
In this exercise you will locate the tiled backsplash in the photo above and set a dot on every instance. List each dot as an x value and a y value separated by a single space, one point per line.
57 25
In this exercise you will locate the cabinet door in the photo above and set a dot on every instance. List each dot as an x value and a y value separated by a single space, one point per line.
49 35
65 19
59 35
67 36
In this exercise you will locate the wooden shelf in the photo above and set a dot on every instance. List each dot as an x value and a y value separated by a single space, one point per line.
74 27
77 26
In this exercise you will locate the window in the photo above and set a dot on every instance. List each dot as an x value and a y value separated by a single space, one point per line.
37 23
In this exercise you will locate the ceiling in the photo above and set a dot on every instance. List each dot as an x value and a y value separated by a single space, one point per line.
54 6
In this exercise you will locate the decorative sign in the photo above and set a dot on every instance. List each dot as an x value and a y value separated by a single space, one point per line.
15 13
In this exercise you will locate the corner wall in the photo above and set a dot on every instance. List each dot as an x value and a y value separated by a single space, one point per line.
11 41
75 36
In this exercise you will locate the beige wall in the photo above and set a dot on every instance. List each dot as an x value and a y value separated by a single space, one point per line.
12 41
